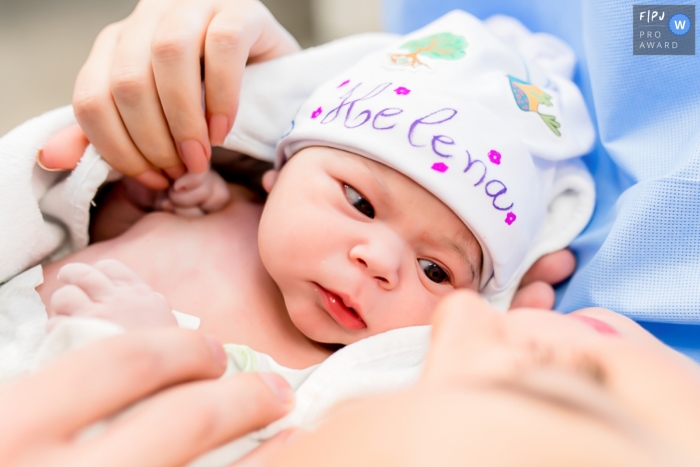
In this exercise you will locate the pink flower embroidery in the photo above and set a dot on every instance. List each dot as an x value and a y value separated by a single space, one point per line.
510 218
495 157
402 91
439 167
317 112
343 83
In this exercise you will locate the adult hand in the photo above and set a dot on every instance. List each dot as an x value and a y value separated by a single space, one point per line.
44 412
531 388
138 98
536 288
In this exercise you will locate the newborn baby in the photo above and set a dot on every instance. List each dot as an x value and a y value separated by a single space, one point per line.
311 268
426 167
445 161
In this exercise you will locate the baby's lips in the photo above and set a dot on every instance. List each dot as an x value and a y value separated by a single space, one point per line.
600 326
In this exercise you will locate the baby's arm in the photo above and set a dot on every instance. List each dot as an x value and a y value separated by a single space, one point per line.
110 290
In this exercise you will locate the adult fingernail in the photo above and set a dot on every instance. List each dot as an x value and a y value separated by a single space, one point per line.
40 161
194 156
152 179
218 129
600 326
280 387
217 350
176 172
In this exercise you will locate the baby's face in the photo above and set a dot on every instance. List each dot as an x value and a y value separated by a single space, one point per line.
357 248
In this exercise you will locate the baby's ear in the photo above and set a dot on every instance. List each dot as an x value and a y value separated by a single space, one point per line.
268 179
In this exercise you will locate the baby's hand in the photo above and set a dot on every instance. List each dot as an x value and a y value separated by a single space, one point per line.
110 290
194 195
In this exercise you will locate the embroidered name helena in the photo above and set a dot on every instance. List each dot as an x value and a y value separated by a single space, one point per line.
441 144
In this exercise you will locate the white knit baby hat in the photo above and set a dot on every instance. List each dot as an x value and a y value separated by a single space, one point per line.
482 115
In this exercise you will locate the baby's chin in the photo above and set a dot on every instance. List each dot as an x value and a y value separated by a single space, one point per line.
327 333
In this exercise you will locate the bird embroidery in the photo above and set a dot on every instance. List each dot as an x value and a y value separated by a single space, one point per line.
529 98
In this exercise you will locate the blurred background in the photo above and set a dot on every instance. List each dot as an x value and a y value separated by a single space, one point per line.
43 43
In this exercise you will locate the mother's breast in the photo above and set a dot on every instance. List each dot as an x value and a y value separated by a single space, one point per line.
198 264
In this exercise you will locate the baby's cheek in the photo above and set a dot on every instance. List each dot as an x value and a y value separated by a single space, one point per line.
415 310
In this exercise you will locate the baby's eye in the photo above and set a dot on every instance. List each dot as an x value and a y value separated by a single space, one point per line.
434 272
359 202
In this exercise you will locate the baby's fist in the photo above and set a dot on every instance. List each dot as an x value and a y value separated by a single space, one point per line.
197 194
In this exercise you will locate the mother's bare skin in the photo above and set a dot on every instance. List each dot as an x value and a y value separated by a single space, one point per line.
208 267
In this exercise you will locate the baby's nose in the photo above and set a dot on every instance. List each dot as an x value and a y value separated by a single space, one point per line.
380 258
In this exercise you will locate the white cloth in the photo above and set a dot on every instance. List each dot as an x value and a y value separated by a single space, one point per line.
466 116
42 214
22 323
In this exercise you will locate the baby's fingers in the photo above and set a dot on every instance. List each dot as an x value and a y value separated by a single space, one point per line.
118 272
190 181
95 284
70 300
207 191
185 196
220 195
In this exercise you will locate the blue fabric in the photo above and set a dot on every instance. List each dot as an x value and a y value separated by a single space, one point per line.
640 255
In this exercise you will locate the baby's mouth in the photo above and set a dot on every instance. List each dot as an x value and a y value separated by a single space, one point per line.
344 315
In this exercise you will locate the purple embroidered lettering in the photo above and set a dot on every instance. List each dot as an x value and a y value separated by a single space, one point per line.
444 140
438 118
350 104
495 196
470 164
390 112
367 114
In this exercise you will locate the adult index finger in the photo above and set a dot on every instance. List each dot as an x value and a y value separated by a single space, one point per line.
94 382
240 33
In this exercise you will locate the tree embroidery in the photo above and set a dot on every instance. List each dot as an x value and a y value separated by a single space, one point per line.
443 46
529 98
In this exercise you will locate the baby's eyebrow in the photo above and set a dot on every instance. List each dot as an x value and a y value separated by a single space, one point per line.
457 248
377 180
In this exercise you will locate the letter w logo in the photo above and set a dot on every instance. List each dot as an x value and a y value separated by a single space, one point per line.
680 24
